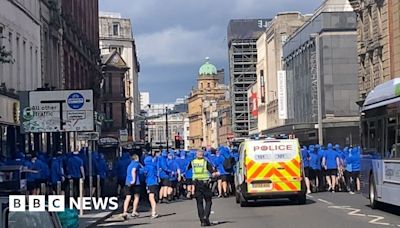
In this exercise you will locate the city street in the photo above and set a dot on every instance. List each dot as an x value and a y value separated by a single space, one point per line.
328 210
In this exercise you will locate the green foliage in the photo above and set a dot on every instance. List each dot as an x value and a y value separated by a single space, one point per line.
5 56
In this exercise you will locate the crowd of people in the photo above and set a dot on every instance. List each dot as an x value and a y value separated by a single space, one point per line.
331 168
43 170
164 176
167 175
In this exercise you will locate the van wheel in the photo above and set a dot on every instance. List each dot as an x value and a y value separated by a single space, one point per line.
243 202
302 199
372 193
237 196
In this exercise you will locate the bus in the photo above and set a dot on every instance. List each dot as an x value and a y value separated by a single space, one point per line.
380 141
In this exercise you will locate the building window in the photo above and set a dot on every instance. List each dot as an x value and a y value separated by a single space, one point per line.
123 115
115 29
119 49
370 21
262 85
110 111
208 85
201 85
110 84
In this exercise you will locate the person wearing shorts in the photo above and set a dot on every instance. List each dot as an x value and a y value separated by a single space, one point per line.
331 164
306 164
150 172
133 183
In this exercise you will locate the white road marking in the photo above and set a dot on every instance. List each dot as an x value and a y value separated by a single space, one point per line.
212 212
376 219
309 196
324 201
339 207
355 212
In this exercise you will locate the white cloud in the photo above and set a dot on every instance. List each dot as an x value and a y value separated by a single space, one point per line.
178 46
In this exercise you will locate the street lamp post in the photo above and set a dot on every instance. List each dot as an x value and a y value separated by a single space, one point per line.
166 125
319 91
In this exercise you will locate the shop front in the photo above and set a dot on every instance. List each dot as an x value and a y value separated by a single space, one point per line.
9 125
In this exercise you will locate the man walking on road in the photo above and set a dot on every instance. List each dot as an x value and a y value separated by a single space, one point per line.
202 172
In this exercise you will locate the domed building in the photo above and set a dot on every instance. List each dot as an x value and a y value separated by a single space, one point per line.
204 103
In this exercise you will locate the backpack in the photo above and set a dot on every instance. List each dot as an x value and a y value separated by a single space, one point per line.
228 164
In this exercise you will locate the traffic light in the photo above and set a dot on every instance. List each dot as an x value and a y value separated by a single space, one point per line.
177 141
16 112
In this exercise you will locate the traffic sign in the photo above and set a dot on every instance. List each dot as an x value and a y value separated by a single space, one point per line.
58 111
75 100
27 113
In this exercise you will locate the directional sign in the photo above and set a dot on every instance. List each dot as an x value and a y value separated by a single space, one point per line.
59 111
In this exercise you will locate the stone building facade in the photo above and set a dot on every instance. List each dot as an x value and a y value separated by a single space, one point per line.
203 106
81 44
378 42
116 34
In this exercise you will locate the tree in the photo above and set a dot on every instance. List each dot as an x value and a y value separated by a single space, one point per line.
5 56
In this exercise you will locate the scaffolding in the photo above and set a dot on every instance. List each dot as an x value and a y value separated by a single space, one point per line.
243 61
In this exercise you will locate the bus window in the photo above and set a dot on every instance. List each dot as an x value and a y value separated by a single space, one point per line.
391 141
379 137
364 135
371 136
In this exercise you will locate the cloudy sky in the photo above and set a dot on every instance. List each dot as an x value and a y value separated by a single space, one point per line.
174 36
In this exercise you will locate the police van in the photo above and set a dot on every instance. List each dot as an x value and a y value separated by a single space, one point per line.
268 169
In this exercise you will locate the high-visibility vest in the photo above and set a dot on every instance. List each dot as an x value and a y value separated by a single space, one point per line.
200 172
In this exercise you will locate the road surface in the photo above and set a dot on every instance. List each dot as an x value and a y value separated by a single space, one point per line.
323 210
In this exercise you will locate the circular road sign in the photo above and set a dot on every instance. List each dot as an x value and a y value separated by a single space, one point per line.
75 101
27 113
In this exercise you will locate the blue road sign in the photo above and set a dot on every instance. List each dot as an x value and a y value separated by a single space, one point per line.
75 101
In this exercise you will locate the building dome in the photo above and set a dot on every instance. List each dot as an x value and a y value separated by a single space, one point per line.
207 68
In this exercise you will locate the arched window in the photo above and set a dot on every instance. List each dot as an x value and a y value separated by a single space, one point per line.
201 85
208 85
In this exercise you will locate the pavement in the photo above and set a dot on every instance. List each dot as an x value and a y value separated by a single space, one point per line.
323 210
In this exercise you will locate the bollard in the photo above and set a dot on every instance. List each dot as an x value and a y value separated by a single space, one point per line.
43 189
58 188
90 186
98 186
81 196
71 188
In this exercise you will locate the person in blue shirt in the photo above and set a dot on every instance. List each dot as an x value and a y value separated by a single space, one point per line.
218 162
354 161
57 173
321 173
32 176
189 175
75 171
164 174
331 163
150 172
120 171
102 170
18 160
44 173
174 175
314 165
133 183
182 163
348 168
305 158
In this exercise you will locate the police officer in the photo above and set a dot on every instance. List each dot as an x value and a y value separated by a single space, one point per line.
202 173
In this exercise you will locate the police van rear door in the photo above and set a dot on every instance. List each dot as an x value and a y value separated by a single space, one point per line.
273 166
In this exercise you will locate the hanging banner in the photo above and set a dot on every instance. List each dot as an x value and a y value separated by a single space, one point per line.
282 96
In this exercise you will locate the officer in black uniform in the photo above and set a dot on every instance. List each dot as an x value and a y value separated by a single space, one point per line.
202 173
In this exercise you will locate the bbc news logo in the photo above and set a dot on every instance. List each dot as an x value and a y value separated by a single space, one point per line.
56 203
